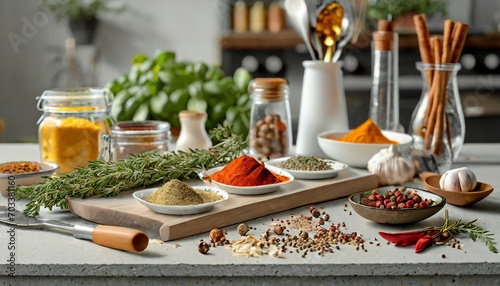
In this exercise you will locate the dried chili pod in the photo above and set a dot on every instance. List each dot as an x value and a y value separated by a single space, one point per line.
423 243
403 238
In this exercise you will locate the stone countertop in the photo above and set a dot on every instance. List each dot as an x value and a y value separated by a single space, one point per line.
50 258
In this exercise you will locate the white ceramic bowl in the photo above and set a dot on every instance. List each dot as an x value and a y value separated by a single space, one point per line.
357 154
26 179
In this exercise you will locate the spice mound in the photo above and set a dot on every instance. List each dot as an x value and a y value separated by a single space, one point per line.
178 193
247 171
19 167
305 163
368 132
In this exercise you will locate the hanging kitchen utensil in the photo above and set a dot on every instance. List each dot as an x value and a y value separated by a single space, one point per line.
312 12
298 16
329 27
110 236
347 28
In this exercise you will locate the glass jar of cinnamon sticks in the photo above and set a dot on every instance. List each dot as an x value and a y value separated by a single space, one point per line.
439 128
438 124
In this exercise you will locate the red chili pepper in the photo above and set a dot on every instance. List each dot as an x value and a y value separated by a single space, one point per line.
423 243
403 238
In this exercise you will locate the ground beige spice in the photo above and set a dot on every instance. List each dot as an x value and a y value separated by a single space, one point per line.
178 193
19 167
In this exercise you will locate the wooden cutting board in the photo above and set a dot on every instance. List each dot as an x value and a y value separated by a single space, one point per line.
125 211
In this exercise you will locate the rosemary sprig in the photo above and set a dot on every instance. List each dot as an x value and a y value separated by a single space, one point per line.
108 179
474 231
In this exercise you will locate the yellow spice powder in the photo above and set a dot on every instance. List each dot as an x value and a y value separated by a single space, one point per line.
71 143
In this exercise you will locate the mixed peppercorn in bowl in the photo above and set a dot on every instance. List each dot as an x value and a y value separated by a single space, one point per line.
396 204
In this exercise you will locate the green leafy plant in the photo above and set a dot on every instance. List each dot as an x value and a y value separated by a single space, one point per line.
159 88
82 9
382 9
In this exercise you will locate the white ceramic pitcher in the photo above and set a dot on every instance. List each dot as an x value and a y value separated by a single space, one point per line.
323 105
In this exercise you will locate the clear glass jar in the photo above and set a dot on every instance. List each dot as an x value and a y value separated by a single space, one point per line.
132 137
446 138
72 125
270 121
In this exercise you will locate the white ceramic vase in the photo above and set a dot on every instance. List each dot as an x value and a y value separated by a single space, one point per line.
323 105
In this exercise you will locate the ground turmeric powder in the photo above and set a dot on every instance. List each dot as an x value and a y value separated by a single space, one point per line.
70 142
368 132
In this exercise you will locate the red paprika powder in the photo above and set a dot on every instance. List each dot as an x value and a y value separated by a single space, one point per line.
246 171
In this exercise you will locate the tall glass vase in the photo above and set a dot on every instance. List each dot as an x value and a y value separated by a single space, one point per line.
438 124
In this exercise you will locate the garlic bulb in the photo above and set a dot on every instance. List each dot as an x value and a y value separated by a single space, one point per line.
391 166
458 180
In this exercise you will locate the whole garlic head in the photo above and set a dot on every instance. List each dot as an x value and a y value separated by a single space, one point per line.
391 166
458 180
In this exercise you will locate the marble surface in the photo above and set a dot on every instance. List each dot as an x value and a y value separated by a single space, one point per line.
50 258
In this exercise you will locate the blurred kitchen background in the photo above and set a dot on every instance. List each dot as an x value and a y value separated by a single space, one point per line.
36 55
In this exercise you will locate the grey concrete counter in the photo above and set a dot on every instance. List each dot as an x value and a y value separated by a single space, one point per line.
49 258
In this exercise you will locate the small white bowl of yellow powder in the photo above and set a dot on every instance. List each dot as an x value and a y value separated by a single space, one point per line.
179 198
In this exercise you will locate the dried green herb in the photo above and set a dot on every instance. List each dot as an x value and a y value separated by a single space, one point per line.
305 163
108 179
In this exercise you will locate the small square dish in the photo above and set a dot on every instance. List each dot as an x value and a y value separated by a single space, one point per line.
337 167
141 196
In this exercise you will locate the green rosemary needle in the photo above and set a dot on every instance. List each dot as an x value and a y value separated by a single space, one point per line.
108 179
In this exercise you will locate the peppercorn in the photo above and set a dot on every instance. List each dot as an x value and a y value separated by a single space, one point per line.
216 235
326 217
203 247
279 229
315 213
242 229
321 221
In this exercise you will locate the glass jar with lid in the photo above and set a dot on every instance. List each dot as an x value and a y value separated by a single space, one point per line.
270 121
132 137
72 125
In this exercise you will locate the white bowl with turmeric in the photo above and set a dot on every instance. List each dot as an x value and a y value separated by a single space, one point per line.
178 198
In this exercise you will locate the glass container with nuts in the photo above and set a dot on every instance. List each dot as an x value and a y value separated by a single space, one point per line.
270 120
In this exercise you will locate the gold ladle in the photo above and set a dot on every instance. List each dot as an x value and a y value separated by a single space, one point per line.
329 27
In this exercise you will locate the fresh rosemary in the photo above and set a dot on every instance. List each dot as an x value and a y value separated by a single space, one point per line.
108 179
474 231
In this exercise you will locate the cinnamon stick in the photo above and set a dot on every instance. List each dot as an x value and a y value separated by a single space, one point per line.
433 93
424 42
459 35
447 41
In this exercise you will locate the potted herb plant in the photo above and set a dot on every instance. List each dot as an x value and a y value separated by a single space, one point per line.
402 11
83 15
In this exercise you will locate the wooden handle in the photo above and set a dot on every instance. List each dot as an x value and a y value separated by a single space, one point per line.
120 238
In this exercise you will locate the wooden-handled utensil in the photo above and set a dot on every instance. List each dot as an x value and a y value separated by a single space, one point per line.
116 237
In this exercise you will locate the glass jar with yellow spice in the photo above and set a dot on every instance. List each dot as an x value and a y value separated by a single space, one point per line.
72 125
